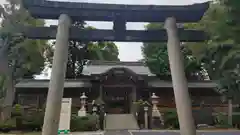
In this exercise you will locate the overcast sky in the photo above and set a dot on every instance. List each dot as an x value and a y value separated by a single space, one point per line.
127 51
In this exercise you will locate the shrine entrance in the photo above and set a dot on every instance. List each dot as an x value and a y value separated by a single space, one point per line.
117 99
118 88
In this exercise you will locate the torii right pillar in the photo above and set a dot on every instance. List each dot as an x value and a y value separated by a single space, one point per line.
179 81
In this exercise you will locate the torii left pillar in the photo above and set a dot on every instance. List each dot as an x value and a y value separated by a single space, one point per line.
56 86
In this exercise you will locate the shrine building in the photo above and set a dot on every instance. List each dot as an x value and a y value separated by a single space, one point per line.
118 85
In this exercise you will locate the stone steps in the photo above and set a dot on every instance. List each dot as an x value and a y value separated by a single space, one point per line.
121 122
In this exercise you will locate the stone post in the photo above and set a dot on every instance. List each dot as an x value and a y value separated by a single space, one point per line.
133 100
56 86
230 112
180 87
146 116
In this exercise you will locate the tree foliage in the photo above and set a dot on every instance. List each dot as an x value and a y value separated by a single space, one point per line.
26 56
81 52
217 57
156 58
220 54
232 8
19 57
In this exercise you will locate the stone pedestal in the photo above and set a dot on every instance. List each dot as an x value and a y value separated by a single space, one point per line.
157 118
82 112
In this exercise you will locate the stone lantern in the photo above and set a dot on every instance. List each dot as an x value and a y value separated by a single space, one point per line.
156 115
82 111
83 99
154 99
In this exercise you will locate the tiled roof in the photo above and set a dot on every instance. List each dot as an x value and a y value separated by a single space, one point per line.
78 83
30 83
196 84
99 67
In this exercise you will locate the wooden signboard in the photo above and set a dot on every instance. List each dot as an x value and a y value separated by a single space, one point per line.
65 116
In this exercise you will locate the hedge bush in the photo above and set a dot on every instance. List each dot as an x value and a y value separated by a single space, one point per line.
32 122
87 123
17 110
171 119
23 121
8 125
236 118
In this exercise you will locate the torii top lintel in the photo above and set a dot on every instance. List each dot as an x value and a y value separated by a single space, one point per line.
111 12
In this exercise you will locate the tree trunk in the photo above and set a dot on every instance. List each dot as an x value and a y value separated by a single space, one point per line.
9 96
9 83
230 112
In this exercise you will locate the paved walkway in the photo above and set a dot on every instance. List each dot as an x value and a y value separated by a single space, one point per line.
156 132
88 133
223 132
122 132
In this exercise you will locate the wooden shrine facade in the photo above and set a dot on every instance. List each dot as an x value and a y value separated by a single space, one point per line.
121 84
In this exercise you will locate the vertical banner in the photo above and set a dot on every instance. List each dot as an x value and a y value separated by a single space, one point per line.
65 116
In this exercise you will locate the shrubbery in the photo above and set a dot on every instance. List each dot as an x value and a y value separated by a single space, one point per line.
33 122
21 121
8 125
171 119
87 123
236 118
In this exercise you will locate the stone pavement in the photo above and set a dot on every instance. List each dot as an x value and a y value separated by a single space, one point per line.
88 133
155 132
122 132
223 132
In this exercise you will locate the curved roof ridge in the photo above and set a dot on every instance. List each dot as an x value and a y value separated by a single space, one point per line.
124 63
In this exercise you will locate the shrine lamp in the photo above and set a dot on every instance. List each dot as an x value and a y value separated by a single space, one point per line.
154 99
95 108
145 107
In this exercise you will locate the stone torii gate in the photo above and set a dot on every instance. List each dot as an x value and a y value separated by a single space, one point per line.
66 12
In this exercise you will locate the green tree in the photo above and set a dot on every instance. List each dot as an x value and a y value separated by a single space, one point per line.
81 52
220 54
19 57
156 58
232 8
